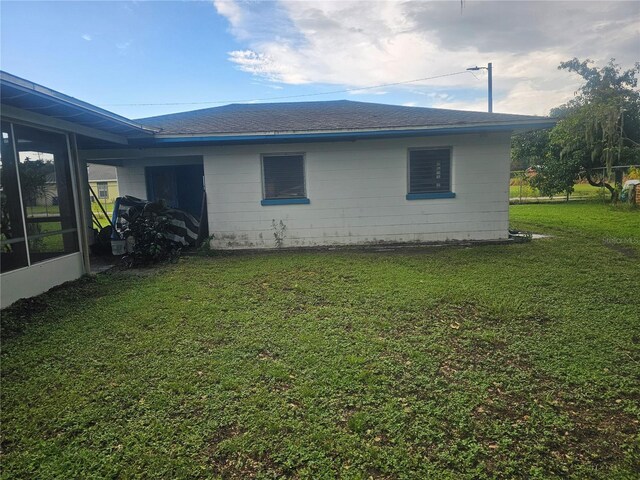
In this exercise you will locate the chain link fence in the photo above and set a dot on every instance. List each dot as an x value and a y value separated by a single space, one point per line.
522 189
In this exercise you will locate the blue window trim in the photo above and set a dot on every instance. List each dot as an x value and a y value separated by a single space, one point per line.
424 196
285 201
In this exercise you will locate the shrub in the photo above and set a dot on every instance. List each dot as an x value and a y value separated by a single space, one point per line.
634 173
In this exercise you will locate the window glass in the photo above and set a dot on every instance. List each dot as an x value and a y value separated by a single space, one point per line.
45 181
12 241
103 190
283 176
430 170
48 246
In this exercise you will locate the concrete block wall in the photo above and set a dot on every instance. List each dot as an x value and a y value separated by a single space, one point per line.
131 175
358 193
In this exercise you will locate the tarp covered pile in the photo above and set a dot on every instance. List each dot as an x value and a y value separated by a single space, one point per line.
182 228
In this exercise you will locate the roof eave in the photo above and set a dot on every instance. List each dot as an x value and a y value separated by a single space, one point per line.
345 135
42 91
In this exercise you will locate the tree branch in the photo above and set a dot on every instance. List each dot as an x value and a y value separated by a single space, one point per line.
601 183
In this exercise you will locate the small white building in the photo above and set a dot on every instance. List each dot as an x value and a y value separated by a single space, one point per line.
283 174
327 173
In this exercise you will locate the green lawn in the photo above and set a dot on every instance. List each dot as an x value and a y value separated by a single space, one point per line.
499 361
107 206
53 210
580 190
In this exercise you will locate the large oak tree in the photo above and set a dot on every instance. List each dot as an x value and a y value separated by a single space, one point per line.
598 129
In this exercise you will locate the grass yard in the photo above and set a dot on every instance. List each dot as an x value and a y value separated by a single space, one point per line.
500 361
583 190
107 206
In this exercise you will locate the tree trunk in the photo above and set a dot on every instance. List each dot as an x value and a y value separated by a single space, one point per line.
602 183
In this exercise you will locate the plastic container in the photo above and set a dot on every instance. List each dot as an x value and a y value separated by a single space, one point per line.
130 244
118 247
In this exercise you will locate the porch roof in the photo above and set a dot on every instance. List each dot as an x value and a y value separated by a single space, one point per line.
32 97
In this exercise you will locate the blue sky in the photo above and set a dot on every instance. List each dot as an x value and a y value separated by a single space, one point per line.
112 53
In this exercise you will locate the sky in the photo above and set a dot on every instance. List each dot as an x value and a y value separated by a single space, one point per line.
124 55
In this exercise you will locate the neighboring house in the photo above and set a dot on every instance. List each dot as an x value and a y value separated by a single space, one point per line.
103 181
289 174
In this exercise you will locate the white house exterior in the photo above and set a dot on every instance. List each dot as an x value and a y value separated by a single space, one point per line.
357 192
262 176
332 173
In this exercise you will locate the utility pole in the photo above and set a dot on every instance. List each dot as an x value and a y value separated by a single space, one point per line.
620 141
490 84
489 69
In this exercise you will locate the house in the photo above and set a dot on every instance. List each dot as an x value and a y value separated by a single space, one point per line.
103 181
264 175
327 173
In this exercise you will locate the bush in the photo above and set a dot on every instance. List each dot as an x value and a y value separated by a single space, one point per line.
634 173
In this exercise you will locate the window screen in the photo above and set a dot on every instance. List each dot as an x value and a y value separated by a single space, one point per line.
13 247
36 193
283 176
430 170
47 194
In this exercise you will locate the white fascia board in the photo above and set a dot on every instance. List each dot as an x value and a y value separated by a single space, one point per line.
19 115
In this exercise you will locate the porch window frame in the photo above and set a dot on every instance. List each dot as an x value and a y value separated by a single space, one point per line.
75 198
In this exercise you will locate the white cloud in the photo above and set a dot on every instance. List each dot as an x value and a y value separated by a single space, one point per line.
233 12
87 37
356 44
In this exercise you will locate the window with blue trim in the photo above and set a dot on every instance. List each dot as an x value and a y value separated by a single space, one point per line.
429 173
283 177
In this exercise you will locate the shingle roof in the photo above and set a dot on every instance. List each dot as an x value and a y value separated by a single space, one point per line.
319 116
95 172
101 173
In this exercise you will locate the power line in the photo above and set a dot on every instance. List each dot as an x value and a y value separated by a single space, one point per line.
286 96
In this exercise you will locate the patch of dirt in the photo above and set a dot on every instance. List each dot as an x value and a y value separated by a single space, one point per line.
223 433
26 311
229 463
141 271
266 355
26 307
626 251
211 344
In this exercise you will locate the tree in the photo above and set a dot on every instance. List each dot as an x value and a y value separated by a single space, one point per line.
598 128
33 178
529 149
